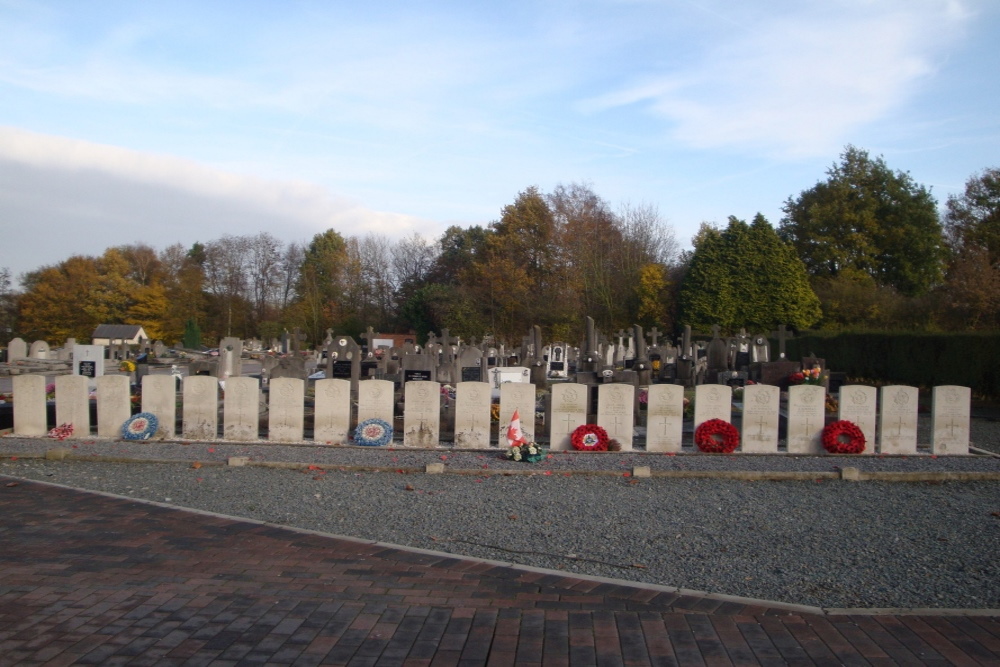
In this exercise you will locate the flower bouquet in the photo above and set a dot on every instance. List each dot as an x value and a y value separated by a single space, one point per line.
527 452
814 375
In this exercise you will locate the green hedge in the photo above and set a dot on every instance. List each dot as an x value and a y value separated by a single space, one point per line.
921 360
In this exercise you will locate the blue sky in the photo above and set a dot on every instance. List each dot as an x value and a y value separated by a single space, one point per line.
169 122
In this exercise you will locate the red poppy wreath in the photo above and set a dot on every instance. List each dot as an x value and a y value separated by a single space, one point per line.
715 436
843 437
589 438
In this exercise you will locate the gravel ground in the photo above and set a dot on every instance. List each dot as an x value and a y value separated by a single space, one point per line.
821 542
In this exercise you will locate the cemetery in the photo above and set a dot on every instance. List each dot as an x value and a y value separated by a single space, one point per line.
630 391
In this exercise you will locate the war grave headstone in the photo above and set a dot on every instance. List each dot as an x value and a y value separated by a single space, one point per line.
200 414
88 361
376 401
712 401
518 396
422 414
17 349
286 410
897 426
859 404
568 410
761 404
332 415
616 412
241 409
806 418
113 405
472 415
30 411
159 398
39 350
950 419
73 403
664 418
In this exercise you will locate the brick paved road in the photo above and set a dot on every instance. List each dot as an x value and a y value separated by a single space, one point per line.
92 579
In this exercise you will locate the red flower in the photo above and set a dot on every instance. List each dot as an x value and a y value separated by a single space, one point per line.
843 437
716 437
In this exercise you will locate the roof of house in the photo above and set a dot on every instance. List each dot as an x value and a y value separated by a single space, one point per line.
117 331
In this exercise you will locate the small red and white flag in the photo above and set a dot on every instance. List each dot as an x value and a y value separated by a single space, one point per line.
515 436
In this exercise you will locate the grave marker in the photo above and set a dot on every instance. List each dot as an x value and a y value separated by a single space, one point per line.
241 409
73 404
114 405
897 427
422 414
616 412
712 401
806 418
950 414
858 404
285 412
376 401
664 418
472 415
332 418
569 411
201 408
159 398
518 396
760 419
30 409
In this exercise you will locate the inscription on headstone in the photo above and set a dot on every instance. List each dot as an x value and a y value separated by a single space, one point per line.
760 419
616 412
806 418
897 427
950 414
664 418
569 411
858 404
472 415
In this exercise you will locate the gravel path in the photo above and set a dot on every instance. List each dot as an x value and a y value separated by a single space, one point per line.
821 542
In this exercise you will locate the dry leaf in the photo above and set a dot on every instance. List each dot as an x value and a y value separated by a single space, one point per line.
408 487
196 465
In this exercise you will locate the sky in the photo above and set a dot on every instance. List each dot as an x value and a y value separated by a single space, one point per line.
176 122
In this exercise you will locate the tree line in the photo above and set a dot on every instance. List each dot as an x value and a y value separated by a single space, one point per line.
864 249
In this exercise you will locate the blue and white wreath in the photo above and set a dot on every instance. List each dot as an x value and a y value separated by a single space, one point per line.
140 426
373 433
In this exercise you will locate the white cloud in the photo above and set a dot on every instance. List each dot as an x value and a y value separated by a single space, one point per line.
799 84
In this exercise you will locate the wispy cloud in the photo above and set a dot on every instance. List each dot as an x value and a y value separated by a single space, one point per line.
800 84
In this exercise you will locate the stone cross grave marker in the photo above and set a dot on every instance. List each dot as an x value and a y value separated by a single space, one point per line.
332 419
113 405
201 408
858 404
422 414
806 418
897 427
760 419
286 410
664 418
950 415
616 412
569 411
472 415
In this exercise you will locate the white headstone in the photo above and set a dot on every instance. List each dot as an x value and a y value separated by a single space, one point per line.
760 419
664 418
332 417
39 350
806 418
201 407
859 404
472 415
422 414
241 409
114 405
230 357
376 400
616 412
712 401
30 411
17 349
73 404
518 396
88 361
569 411
950 419
897 426
286 410
159 398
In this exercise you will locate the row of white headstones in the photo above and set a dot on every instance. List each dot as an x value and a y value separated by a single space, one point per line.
893 427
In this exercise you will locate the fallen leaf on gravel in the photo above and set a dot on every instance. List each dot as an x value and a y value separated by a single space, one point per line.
12 484
639 565
196 465
548 472
408 487
512 517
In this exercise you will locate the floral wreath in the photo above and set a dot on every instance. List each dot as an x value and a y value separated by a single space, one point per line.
843 437
589 438
140 426
61 432
373 433
127 366
716 436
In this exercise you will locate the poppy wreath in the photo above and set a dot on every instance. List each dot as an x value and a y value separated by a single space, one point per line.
373 433
715 436
61 432
140 426
843 437
589 438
